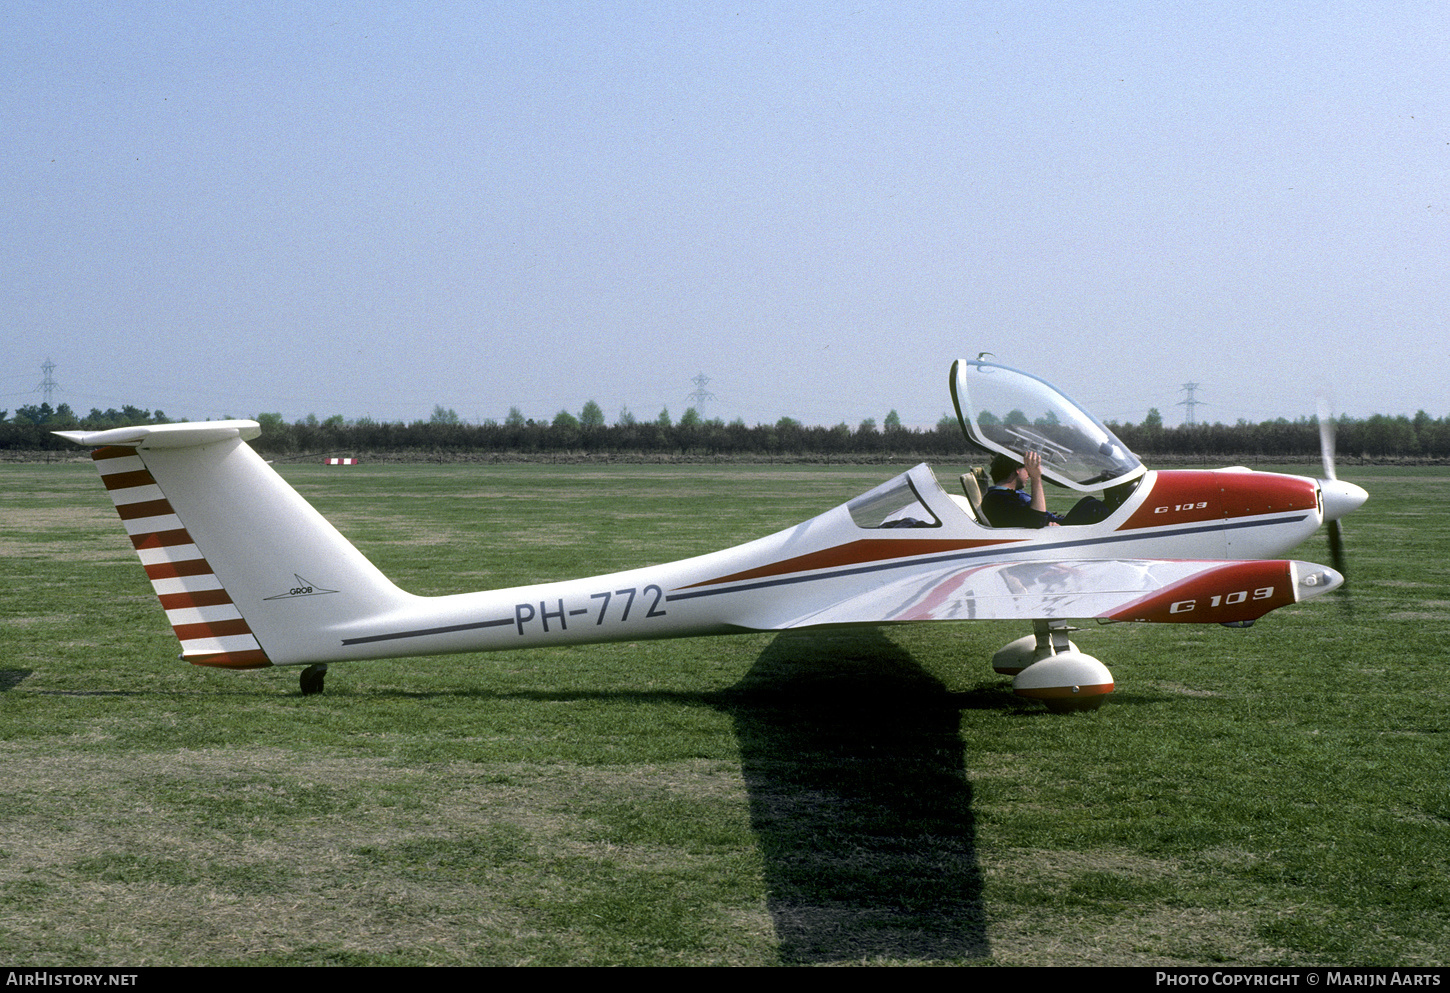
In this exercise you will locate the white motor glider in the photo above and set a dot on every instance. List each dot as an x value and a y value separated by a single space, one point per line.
250 575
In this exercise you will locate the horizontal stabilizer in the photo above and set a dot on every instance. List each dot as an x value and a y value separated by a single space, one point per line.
148 436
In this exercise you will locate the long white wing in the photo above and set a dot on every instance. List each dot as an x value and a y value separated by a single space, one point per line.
1163 590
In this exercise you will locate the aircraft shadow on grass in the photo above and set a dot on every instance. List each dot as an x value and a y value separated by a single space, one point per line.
856 781
11 678
854 767
855 775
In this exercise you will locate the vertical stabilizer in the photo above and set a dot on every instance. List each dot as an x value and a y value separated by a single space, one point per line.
248 572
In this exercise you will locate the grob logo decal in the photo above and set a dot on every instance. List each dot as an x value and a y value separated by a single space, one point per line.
302 588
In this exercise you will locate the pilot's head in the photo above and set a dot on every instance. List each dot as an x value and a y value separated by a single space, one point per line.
1002 467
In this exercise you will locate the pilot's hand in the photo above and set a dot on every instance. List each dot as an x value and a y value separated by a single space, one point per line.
1032 462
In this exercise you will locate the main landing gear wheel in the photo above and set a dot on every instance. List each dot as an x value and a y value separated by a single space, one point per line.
1067 682
1047 666
1027 650
312 679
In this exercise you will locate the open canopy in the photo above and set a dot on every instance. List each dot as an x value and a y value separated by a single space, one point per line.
1011 412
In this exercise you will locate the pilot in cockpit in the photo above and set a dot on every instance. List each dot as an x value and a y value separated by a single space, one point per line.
1016 498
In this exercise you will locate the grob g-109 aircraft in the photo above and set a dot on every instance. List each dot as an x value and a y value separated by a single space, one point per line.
227 543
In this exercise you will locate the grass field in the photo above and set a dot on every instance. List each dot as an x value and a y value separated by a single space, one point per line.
1270 796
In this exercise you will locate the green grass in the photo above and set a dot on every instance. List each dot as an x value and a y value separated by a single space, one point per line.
1270 796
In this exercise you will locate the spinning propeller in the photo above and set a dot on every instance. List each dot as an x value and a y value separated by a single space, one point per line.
1339 497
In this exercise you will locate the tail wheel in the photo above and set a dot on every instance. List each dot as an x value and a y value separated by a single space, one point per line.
312 678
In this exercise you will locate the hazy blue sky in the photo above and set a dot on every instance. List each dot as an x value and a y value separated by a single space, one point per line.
372 208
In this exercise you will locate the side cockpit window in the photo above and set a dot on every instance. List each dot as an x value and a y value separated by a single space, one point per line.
893 504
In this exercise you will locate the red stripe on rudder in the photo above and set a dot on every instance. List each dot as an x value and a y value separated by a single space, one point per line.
175 570
126 480
211 629
196 598
161 539
147 508
112 452
253 659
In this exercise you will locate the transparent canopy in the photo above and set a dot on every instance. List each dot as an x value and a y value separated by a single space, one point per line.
1011 412
899 502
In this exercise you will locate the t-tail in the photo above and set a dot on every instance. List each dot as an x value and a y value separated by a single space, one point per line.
249 573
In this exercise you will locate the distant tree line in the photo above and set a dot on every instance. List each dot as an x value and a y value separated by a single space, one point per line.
1375 437
588 432
30 427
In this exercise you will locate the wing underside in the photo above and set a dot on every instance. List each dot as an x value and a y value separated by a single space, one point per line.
1163 590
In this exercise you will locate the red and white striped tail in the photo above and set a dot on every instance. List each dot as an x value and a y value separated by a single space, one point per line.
208 624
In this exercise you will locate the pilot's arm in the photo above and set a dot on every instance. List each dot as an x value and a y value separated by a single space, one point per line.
1032 462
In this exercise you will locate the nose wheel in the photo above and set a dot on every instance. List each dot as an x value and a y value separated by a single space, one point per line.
312 678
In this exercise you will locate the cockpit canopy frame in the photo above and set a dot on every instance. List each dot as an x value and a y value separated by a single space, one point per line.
1011 412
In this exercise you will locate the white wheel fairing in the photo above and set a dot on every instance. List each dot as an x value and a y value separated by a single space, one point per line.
1015 656
1066 681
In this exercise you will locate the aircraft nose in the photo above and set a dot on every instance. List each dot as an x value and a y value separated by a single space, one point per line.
1340 498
